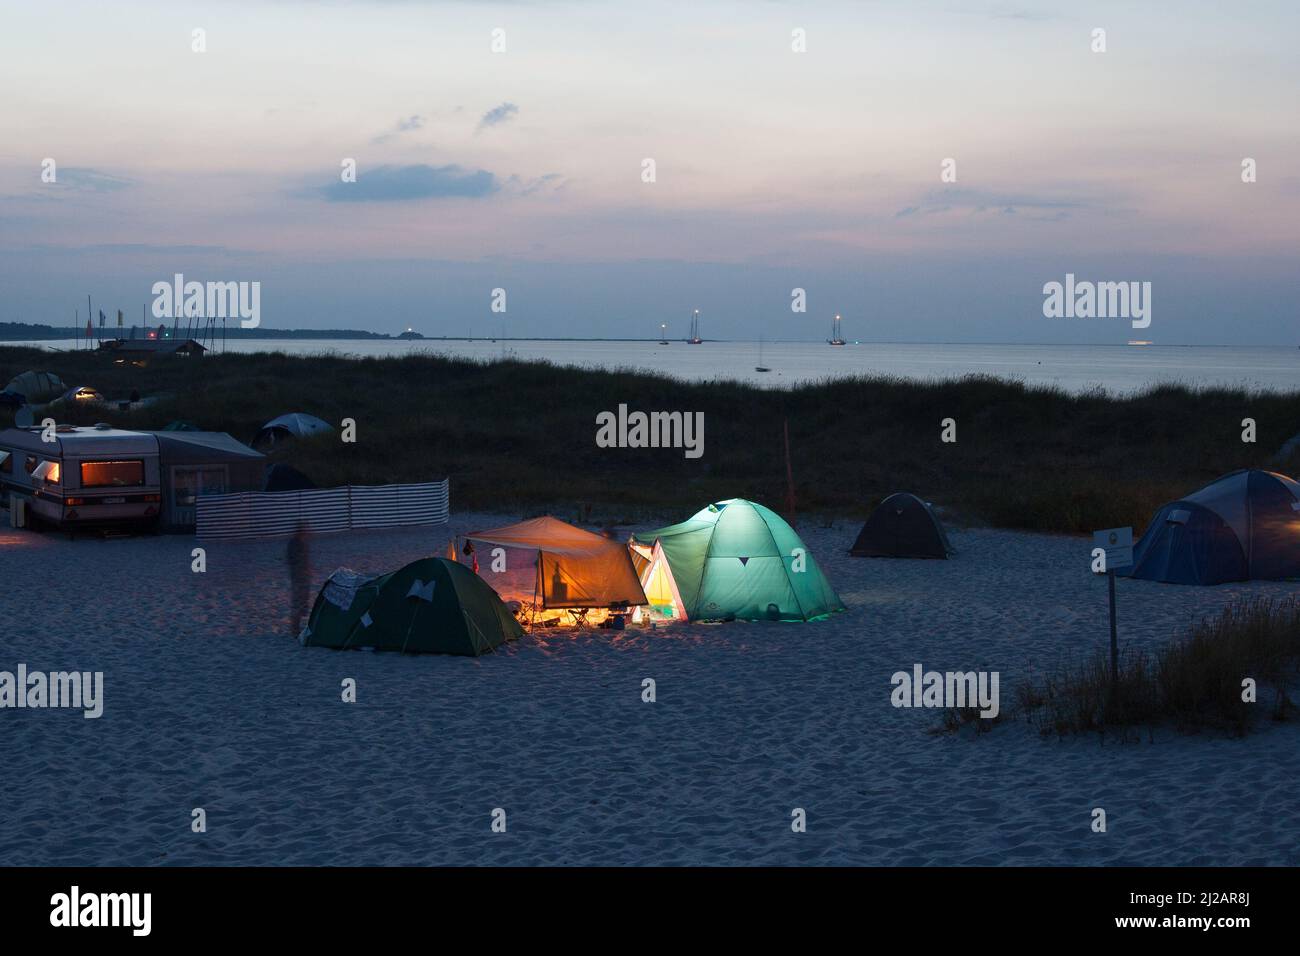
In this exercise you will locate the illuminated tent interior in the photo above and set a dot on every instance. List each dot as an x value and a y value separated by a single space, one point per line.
1244 526
663 600
556 574
81 394
737 560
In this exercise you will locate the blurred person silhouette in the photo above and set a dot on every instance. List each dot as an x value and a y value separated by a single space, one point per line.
298 557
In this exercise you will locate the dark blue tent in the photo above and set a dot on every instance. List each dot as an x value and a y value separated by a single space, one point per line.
902 526
282 477
1244 526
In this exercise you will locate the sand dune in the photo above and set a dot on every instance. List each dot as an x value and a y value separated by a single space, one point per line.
209 703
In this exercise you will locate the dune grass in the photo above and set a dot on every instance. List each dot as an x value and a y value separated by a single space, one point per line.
520 436
1194 683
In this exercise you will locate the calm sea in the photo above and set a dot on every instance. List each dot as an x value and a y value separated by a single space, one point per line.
1074 368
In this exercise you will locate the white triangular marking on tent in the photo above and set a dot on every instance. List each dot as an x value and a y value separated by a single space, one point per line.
421 590
365 620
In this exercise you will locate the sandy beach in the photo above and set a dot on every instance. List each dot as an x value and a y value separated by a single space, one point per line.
210 703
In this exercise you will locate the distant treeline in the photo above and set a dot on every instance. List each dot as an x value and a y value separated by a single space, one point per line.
23 331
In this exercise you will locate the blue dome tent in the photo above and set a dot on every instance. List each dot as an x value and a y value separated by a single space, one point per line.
1244 526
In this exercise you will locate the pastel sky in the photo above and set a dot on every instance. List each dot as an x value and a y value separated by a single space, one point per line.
774 169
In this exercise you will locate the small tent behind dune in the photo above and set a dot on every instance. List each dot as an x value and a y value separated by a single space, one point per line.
734 560
34 388
292 425
902 526
430 606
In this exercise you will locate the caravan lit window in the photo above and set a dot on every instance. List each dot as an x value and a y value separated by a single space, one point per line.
48 471
112 474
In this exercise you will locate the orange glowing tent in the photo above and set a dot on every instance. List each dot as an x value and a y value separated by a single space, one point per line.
546 564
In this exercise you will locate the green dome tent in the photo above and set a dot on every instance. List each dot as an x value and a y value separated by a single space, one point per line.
431 606
738 560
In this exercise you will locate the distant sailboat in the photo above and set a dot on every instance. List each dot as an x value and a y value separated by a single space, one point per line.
760 367
695 329
837 337
663 334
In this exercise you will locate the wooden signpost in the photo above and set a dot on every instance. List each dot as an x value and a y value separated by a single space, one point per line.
1117 544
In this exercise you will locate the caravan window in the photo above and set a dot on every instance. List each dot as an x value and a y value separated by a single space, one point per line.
6 463
48 471
30 464
112 474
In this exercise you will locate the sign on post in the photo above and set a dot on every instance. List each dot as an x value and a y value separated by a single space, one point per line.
1118 545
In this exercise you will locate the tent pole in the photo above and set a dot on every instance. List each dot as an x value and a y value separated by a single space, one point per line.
537 585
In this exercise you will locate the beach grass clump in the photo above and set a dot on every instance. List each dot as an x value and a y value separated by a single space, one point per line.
954 719
1195 683
1200 678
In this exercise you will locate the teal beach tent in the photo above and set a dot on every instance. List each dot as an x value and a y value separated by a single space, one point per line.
736 560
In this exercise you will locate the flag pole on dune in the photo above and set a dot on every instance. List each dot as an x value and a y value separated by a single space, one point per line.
789 474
